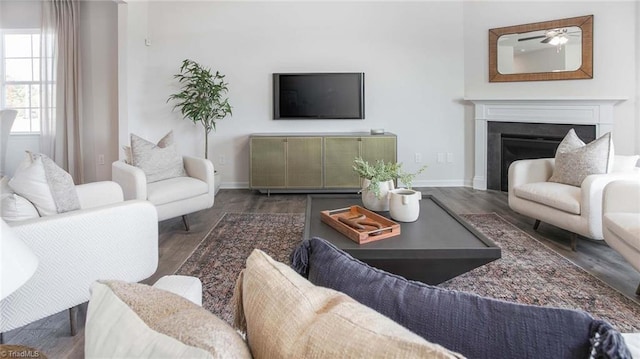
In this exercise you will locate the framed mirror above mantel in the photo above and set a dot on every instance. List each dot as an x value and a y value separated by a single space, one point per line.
550 50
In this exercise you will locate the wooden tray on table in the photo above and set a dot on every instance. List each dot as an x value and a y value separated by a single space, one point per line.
359 224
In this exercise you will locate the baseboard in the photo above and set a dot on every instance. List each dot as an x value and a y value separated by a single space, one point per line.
234 185
422 183
442 183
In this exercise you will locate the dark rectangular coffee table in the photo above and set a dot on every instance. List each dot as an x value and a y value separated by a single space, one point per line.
437 247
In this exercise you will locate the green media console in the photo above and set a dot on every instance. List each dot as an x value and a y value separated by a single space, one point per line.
314 161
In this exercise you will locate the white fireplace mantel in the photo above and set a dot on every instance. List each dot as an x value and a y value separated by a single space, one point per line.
578 111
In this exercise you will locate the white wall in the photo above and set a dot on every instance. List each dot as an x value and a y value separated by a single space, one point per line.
420 60
99 49
20 14
637 32
411 52
615 65
98 58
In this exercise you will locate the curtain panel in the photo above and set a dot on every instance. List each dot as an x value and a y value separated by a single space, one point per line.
61 124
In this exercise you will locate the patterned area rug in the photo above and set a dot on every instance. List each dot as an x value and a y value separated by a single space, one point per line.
221 256
528 272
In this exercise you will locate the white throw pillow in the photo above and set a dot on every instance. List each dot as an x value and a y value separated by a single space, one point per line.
131 320
158 161
575 161
16 208
46 185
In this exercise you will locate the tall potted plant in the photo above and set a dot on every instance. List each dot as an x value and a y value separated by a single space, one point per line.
201 98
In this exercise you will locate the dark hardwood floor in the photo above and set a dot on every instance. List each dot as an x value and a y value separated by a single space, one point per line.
51 335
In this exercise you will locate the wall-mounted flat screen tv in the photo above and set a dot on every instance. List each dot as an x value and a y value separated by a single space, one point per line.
318 96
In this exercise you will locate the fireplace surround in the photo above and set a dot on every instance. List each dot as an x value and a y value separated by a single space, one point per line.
596 113
510 141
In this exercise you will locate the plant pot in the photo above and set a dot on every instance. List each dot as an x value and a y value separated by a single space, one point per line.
404 205
373 203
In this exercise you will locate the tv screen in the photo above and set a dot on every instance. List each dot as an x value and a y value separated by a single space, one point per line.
318 96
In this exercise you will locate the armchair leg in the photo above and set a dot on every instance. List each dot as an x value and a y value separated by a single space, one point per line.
637 293
536 225
186 222
574 241
1 339
73 320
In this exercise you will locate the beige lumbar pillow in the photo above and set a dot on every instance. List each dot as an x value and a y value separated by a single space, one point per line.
41 181
131 320
158 161
575 161
286 316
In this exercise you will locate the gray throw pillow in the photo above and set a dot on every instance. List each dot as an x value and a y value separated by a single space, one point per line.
158 161
575 161
474 326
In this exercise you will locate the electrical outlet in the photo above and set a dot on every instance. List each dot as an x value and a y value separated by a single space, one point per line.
222 159
449 157
418 157
441 157
100 159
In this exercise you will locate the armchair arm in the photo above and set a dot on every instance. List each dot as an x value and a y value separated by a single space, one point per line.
132 180
201 169
592 189
98 194
622 196
118 241
530 171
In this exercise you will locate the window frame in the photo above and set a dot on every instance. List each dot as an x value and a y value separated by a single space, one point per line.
3 83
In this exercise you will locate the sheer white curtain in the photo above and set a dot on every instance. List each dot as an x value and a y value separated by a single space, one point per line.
61 123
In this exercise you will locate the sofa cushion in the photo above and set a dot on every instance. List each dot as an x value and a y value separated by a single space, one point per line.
175 189
474 326
158 161
557 195
574 160
624 225
131 320
50 188
288 317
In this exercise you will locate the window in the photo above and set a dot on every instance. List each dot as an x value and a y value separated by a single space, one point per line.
20 77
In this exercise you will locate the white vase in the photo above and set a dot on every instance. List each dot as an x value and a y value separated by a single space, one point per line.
373 203
404 205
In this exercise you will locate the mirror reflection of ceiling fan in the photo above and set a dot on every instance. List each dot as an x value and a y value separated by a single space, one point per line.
553 37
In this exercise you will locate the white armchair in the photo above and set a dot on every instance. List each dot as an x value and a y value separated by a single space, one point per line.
172 197
621 220
107 238
576 209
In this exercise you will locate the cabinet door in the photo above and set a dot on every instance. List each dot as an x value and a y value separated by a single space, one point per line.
339 153
304 162
379 148
268 162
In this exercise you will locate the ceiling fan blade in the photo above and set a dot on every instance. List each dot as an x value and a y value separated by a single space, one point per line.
545 41
531 38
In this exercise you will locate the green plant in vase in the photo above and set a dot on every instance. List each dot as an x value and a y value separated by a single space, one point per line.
378 181
377 173
407 178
